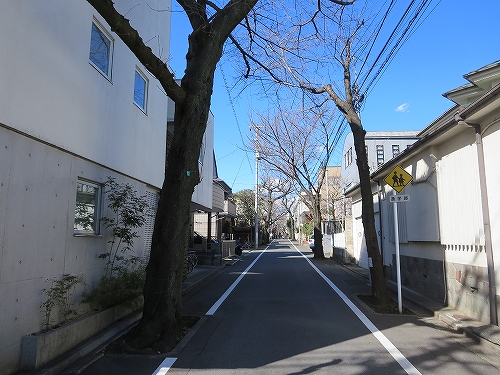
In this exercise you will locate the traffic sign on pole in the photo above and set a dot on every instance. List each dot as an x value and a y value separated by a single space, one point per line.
398 179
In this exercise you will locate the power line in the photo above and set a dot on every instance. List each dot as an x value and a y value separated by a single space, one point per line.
411 25
235 116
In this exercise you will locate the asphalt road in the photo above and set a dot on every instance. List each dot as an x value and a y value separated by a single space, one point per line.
278 311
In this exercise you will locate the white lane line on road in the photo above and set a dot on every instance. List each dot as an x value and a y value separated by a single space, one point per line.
389 346
164 366
168 362
219 302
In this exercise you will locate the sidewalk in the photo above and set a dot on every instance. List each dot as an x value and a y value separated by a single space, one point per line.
203 273
77 359
487 334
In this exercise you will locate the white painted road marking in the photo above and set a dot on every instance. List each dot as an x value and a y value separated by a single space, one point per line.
389 346
219 302
396 354
164 366
168 362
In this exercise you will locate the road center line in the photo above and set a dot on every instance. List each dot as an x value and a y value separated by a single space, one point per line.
219 302
396 354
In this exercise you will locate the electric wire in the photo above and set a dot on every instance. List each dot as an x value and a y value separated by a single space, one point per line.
408 29
236 118
406 26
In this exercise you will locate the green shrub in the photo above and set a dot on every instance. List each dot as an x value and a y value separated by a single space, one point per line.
59 295
124 286
308 229
129 212
124 276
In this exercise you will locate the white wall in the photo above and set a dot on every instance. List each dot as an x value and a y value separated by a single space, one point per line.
458 192
203 192
491 140
61 120
52 92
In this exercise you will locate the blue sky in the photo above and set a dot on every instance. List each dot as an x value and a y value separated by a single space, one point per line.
459 36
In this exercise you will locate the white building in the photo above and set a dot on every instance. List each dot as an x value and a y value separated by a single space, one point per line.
76 106
449 230
380 148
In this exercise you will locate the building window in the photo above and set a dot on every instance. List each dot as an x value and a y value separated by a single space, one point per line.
101 46
87 208
201 157
395 150
380 155
348 157
140 90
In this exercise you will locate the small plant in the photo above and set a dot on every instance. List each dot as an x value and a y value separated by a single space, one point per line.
124 276
124 286
129 212
59 296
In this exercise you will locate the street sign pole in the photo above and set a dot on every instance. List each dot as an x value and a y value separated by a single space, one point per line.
397 180
398 266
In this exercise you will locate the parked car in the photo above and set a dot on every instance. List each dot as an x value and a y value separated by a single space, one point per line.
311 242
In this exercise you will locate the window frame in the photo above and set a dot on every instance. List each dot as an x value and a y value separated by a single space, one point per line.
103 32
395 150
95 231
138 72
380 154
348 157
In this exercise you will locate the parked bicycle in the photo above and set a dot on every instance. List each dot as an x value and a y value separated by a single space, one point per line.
191 261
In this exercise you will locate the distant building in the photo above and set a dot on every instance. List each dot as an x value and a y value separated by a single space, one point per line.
380 146
330 192
215 226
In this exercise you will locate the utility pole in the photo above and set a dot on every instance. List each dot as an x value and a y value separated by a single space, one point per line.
327 197
256 205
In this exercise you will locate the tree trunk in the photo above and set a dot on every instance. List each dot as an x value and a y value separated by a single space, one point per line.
318 235
379 288
161 323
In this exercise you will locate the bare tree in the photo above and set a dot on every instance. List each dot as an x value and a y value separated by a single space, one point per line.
316 51
161 323
289 202
329 52
212 25
245 207
272 190
297 145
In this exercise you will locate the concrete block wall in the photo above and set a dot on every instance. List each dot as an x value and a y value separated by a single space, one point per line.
468 290
421 275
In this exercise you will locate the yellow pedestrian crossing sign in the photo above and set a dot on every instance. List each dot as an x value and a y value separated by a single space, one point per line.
398 179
